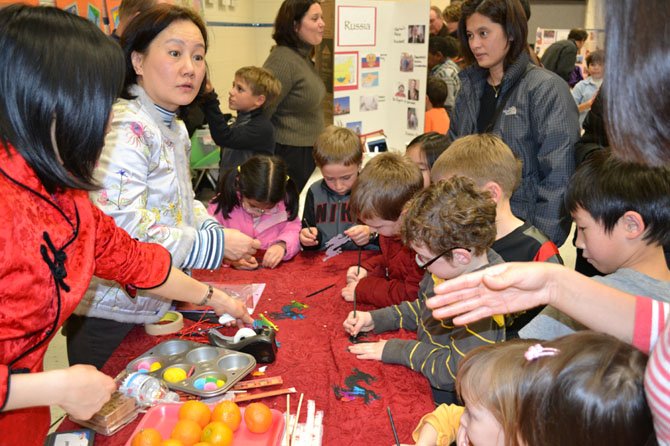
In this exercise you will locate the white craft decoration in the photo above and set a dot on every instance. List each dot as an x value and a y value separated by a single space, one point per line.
334 246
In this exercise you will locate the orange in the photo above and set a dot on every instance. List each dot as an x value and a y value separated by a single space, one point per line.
187 431
217 433
229 413
202 443
258 418
172 442
196 411
147 437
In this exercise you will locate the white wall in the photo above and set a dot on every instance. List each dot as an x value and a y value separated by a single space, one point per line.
232 47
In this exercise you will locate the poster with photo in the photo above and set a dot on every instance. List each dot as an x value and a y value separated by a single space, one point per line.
370 60
391 72
345 71
342 106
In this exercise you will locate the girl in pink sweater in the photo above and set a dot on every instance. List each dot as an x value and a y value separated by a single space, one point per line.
259 199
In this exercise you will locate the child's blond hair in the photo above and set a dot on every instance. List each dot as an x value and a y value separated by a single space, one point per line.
261 82
482 158
386 184
337 145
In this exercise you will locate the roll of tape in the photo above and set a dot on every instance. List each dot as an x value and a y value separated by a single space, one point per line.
243 333
171 322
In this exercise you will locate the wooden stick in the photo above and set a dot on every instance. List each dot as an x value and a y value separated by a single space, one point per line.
255 396
297 417
288 418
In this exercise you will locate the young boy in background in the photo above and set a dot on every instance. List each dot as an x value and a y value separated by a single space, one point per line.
451 227
622 214
585 90
436 118
491 164
252 133
338 155
385 185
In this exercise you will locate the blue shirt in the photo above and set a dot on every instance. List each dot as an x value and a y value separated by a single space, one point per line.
583 92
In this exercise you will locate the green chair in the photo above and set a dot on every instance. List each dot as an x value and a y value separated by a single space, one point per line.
204 160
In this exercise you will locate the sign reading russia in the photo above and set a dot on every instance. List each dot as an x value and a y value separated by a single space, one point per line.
357 26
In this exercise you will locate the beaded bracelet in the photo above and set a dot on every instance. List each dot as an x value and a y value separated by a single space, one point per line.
208 296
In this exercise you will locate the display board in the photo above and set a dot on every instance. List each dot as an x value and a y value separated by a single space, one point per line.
380 68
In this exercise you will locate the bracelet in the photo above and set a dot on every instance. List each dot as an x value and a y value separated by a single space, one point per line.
205 300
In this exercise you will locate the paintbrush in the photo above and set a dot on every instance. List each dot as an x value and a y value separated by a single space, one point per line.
395 432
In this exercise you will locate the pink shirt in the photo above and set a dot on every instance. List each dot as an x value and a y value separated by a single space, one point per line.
652 334
270 228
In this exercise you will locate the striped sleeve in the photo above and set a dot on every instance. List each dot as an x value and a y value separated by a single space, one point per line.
657 387
208 247
650 317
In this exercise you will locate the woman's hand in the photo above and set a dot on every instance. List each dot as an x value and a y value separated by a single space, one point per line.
362 322
308 236
238 245
500 289
274 254
360 234
82 390
222 303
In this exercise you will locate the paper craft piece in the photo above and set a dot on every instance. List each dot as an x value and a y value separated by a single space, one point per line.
292 311
370 79
355 388
334 246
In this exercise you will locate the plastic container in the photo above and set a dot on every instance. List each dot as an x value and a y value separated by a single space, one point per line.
147 390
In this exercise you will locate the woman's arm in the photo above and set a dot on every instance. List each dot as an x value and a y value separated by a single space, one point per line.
512 287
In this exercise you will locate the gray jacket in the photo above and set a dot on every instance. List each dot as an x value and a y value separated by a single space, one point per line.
440 345
540 123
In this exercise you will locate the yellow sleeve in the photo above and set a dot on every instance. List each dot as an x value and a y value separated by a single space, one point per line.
445 419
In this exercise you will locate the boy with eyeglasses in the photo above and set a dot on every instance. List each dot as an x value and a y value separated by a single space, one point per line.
451 227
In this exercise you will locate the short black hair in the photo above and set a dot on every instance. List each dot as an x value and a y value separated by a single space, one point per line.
143 30
507 13
578 35
607 188
437 91
291 13
596 57
432 145
36 95
261 178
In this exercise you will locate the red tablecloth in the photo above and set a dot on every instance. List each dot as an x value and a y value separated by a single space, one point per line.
313 355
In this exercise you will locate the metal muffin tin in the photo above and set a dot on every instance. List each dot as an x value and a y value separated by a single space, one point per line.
207 362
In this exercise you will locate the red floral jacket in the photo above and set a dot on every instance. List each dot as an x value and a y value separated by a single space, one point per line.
48 239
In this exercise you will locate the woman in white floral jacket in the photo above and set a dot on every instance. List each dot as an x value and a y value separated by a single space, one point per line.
145 178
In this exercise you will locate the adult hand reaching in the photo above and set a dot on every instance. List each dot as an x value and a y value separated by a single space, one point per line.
239 245
500 289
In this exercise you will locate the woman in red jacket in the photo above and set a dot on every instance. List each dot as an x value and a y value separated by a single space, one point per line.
53 240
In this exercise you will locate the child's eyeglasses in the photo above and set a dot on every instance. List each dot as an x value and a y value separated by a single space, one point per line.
254 210
423 264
